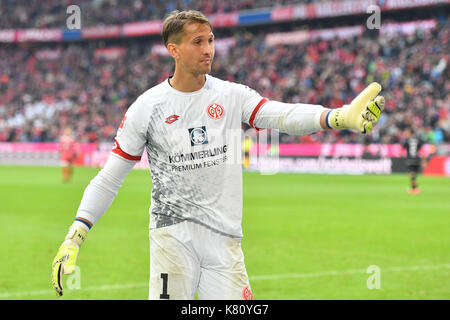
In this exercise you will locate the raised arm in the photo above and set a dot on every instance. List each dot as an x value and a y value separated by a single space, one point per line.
298 118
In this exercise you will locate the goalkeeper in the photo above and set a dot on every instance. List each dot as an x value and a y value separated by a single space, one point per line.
184 124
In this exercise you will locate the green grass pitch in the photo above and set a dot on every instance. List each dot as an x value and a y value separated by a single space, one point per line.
305 236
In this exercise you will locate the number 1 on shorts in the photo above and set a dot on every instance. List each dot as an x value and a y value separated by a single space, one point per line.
164 294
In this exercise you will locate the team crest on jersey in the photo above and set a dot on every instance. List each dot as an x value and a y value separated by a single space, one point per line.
247 293
198 136
215 111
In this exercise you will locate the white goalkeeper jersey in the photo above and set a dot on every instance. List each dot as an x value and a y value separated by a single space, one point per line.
193 143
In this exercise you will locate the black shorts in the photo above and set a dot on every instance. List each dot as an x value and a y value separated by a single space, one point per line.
413 165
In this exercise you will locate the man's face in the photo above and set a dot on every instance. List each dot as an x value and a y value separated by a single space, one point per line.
196 50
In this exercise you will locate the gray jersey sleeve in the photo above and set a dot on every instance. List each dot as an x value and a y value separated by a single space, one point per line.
101 191
290 118
129 145
131 137
250 102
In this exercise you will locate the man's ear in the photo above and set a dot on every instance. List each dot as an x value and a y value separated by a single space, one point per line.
173 50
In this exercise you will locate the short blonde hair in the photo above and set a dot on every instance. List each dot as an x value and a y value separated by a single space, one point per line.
173 25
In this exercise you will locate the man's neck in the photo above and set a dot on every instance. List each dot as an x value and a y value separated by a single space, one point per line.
187 82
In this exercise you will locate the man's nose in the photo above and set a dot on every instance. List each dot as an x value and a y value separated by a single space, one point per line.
208 49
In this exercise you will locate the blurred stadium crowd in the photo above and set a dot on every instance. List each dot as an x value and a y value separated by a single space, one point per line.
46 88
51 13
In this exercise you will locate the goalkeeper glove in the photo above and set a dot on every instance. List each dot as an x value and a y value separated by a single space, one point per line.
362 113
66 257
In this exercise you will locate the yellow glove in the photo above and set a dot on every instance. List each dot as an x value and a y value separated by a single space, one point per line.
66 257
362 113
